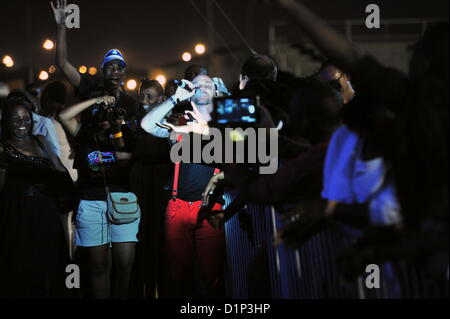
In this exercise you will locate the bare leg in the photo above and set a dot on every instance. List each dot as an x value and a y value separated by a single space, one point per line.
123 259
99 265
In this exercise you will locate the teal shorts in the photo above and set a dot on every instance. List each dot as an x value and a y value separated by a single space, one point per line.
93 229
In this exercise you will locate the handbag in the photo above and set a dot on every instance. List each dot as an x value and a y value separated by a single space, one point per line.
121 207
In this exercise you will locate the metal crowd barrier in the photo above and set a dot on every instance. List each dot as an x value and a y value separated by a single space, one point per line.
258 269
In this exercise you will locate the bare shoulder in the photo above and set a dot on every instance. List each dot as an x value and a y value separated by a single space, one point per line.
43 145
52 156
41 140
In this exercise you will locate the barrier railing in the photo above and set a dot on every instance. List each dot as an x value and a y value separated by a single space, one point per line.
258 269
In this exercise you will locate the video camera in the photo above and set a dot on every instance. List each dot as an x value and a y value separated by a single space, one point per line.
235 111
107 113
101 112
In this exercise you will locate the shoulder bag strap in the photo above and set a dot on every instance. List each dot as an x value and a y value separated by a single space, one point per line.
102 169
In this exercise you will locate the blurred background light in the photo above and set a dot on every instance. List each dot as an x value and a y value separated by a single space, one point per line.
43 75
161 79
186 57
82 69
131 84
92 70
8 61
48 44
200 48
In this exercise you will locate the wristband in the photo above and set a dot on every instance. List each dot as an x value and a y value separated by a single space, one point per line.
117 135
171 99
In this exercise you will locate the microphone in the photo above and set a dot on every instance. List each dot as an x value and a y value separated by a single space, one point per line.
183 85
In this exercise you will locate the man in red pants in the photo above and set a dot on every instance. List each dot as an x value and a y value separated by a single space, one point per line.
190 240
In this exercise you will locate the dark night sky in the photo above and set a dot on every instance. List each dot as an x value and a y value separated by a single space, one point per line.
152 33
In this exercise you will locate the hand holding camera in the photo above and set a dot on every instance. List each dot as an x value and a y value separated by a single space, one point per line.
105 110
106 100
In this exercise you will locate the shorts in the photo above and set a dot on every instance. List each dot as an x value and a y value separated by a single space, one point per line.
93 229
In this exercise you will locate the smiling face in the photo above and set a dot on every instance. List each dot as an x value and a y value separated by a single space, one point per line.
114 73
150 96
20 122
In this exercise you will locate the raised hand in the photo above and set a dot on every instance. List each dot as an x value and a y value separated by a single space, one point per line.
196 123
185 91
189 128
196 115
59 11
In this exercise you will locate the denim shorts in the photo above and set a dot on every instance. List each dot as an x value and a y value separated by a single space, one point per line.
93 229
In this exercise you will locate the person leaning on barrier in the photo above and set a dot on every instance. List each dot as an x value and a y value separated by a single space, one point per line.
257 67
403 119
258 78
299 176
337 79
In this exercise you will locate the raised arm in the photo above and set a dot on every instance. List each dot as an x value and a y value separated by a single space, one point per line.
61 44
67 116
157 115
334 45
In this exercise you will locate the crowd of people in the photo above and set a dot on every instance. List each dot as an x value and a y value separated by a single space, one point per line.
359 144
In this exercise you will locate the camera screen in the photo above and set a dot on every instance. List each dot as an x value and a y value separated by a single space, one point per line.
235 110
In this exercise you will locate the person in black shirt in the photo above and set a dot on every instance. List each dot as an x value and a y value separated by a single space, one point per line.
150 93
113 68
34 189
103 146
150 171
